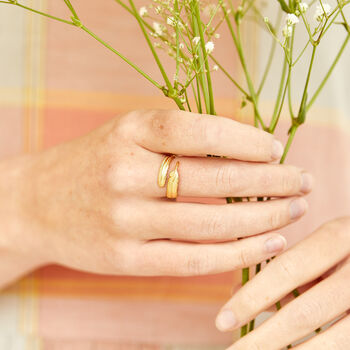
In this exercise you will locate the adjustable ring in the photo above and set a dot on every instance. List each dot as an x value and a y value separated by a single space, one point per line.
173 183
163 170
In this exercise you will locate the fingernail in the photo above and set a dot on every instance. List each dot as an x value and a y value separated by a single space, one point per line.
297 208
306 182
226 320
275 244
277 149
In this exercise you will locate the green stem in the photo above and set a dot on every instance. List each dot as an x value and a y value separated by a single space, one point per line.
245 279
71 8
238 44
270 58
198 62
38 12
325 79
230 77
154 53
109 47
274 119
205 58
292 132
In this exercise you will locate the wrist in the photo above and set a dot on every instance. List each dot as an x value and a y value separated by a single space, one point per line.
19 234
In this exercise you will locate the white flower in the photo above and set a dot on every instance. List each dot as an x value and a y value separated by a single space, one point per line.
303 7
209 47
171 21
217 36
215 68
143 11
322 11
292 19
181 46
196 40
266 19
287 31
157 28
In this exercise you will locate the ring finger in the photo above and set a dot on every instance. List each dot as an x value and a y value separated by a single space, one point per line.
200 222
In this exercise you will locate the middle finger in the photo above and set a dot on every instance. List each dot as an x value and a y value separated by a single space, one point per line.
219 178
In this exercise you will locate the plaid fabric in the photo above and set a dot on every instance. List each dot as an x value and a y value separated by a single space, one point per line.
56 84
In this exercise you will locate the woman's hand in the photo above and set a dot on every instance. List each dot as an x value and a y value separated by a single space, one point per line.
321 265
94 204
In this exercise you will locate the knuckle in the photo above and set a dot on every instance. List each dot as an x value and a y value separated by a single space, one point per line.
120 178
214 226
254 345
243 258
124 126
290 181
226 178
206 130
307 315
199 264
162 124
115 257
275 219
287 267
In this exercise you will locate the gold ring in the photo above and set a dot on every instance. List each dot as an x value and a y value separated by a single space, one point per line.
163 170
173 183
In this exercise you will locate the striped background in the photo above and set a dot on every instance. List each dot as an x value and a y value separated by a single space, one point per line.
57 84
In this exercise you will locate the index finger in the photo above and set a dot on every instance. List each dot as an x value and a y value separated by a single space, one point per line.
192 134
299 265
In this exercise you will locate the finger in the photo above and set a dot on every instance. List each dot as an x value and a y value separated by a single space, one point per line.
211 177
191 259
300 265
204 222
336 337
194 134
320 305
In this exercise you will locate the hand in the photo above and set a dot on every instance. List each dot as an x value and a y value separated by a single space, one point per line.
94 204
325 255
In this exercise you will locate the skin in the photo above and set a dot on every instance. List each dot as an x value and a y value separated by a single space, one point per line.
320 265
93 204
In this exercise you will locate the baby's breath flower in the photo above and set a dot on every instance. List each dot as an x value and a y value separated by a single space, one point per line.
196 39
181 45
287 31
266 20
322 11
143 11
215 68
157 28
217 36
171 21
292 19
303 7
209 47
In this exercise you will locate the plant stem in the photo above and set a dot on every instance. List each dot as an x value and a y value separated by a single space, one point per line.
205 58
109 47
230 77
274 119
292 132
71 8
245 279
238 44
159 64
38 12
325 79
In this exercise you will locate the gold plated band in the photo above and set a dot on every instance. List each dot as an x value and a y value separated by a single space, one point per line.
173 183
163 170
